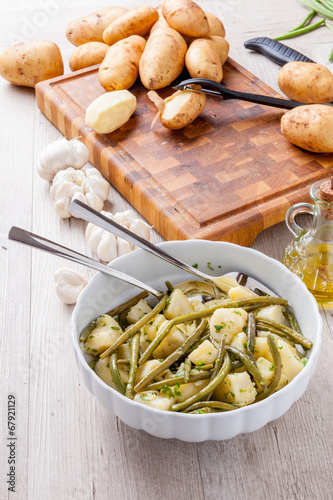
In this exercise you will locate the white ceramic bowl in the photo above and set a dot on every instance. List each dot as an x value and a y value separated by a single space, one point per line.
104 292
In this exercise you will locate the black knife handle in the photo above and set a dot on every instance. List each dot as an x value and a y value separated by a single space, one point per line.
276 51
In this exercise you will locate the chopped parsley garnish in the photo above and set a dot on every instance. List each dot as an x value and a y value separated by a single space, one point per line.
209 266
115 328
195 266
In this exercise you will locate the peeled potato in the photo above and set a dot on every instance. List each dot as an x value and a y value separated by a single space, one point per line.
310 83
28 63
310 127
110 111
180 109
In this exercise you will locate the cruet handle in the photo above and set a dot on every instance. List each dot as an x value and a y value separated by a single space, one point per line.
299 208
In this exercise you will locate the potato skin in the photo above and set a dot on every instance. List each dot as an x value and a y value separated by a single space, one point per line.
186 17
135 22
88 54
306 82
90 28
163 58
120 67
310 127
206 56
28 63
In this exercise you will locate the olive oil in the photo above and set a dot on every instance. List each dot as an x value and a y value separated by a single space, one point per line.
314 265
310 253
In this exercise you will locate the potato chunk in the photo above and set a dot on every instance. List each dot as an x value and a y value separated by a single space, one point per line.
138 311
178 304
226 323
240 341
149 331
105 333
205 354
291 363
185 391
274 313
236 388
266 369
155 400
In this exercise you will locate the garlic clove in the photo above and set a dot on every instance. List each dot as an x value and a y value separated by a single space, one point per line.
123 247
107 249
140 227
94 201
69 284
60 155
62 208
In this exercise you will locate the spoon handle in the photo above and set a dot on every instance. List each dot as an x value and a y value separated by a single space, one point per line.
80 209
35 241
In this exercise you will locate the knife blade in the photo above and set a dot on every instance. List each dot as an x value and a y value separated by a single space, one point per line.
275 51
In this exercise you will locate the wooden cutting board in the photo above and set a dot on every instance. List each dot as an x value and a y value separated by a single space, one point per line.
227 176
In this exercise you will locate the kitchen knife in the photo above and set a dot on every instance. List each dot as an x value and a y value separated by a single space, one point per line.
276 51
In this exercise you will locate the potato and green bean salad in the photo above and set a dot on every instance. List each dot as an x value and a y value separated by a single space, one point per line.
195 353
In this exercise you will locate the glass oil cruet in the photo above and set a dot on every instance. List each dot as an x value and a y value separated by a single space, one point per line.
310 253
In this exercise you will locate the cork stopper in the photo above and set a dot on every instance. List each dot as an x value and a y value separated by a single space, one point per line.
326 195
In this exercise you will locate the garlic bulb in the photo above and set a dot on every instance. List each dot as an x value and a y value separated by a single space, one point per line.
68 284
88 185
62 154
106 245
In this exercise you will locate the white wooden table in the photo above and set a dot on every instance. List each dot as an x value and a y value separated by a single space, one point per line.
68 447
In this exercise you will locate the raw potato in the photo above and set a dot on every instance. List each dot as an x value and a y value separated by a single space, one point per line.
310 127
135 22
120 67
216 28
186 17
163 58
28 63
88 54
206 56
91 28
180 109
310 83
110 111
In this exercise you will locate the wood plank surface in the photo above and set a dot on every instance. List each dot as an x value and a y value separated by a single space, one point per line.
227 176
68 446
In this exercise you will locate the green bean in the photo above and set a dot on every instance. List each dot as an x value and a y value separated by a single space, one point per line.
169 286
302 31
198 342
225 368
277 370
131 330
135 348
201 411
219 405
218 363
117 380
319 8
87 331
296 337
292 320
251 333
194 377
128 304
308 18
173 357
202 314
187 369
123 361
250 365
213 341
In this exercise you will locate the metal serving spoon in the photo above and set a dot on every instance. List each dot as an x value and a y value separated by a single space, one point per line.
35 241
80 209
